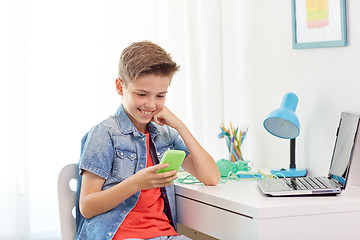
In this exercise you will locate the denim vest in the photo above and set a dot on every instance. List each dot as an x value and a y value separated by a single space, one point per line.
115 150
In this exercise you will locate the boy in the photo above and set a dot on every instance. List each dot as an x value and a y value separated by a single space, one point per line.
120 195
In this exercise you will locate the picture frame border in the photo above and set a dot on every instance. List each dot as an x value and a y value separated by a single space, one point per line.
322 44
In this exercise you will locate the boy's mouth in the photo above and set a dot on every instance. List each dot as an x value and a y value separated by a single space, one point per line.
145 113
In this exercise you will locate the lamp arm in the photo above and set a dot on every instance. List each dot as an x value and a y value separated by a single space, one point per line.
292 153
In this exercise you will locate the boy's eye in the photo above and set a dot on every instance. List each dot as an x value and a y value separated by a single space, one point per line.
141 94
161 96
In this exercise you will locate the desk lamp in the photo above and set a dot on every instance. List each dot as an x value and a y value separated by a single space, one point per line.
283 123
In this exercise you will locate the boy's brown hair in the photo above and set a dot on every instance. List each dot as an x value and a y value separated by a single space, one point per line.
143 58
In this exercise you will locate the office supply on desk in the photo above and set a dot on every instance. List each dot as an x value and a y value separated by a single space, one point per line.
284 123
234 138
243 166
239 170
337 177
225 167
231 156
186 178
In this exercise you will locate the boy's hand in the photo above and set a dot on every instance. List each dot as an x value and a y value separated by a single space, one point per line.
148 178
166 117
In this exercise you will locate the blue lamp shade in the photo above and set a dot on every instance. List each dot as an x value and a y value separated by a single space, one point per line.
283 122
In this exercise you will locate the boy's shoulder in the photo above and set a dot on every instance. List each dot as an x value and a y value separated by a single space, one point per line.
109 125
118 124
110 121
112 124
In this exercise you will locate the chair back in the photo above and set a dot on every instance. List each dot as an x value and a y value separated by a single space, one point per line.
66 198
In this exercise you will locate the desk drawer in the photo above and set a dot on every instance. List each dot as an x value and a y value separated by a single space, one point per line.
205 218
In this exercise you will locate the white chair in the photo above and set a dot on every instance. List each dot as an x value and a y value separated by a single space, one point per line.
66 198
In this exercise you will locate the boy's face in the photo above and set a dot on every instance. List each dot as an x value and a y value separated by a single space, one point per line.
143 98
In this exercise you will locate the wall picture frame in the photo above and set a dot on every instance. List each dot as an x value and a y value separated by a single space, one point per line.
318 23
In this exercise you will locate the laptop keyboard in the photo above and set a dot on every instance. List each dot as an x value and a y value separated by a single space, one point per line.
308 183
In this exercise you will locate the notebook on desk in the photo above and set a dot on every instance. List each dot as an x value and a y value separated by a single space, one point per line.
337 177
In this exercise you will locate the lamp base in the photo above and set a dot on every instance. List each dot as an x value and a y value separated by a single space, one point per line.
289 172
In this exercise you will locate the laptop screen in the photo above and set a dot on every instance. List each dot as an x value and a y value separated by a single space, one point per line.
343 150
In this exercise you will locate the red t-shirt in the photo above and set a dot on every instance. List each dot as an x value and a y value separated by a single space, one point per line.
147 219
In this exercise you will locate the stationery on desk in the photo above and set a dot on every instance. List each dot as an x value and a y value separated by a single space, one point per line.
234 137
235 165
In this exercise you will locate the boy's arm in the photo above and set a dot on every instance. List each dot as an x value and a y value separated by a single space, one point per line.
199 163
93 201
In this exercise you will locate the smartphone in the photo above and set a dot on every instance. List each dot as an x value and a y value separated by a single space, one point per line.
174 158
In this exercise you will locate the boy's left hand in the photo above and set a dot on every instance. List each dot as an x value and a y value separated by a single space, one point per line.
166 117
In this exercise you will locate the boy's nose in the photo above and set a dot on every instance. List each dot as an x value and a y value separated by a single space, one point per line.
151 104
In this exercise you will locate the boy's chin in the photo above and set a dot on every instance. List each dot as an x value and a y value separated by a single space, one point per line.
145 121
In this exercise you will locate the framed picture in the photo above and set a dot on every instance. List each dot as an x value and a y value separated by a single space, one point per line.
318 23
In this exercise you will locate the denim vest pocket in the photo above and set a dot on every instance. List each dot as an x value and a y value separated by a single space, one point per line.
124 164
161 150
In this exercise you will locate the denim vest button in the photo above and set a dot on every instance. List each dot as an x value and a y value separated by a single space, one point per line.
158 153
141 165
109 234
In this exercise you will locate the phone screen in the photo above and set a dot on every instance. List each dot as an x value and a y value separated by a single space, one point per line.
174 158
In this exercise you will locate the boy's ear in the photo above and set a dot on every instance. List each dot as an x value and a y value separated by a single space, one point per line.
119 86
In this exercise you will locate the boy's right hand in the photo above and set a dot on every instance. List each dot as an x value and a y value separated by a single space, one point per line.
166 117
148 178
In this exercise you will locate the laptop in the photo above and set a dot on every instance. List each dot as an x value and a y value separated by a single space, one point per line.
337 177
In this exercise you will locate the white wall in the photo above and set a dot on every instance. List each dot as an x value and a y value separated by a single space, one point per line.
326 80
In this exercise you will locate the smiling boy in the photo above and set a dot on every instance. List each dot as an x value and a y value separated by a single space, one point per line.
121 195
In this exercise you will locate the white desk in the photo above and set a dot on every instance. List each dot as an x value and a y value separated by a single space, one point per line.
238 210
